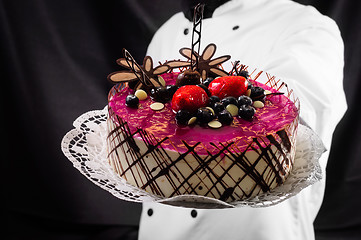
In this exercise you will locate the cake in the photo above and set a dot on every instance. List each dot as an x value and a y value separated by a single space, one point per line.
183 129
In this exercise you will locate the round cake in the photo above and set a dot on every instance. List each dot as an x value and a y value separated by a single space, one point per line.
228 137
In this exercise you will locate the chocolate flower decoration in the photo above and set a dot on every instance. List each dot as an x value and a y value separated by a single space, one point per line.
135 75
206 64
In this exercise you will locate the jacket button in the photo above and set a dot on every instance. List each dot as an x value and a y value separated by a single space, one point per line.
150 212
194 213
186 31
235 27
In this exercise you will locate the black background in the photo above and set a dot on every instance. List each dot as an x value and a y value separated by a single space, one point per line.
55 56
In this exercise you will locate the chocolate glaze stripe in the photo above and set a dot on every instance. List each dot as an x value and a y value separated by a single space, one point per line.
210 158
160 154
172 163
234 162
182 157
133 150
241 161
227 189
163 157
123 143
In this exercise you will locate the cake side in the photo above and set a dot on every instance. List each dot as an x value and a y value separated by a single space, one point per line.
226 175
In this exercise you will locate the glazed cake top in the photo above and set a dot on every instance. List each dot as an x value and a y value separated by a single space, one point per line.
279 111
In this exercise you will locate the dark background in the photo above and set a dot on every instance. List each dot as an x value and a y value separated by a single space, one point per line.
55 56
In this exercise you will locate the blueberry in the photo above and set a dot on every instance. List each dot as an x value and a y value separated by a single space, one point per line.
171 89
229 100
244 74
132 84
244 100
182 117
205 88
160 94
257 93
218 107
208 81
249 85
204 115
246 112
213 100
225 117
132 101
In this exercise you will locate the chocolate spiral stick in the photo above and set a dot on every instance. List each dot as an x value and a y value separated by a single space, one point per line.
197 28
141 75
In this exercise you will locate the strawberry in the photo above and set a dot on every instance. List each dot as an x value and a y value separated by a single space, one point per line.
234 86
190 98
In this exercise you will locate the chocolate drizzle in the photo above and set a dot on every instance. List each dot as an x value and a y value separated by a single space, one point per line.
141 76
196 34
150 167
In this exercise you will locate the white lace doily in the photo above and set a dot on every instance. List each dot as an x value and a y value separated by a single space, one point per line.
85 147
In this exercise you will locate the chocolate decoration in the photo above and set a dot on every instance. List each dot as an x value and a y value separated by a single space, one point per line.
145 76
207 65
196 34
188 77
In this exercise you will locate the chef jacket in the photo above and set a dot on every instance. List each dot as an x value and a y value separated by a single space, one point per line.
301 47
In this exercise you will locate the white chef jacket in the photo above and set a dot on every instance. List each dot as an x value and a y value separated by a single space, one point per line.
301 47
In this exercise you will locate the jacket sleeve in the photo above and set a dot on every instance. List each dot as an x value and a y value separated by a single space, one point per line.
309 58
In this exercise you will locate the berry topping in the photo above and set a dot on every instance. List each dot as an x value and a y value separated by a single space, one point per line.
244 74
160 94
132 101
249 86
218 107
132 84
229 100
234 86
188 77
182 117
171 89
257 93
205 89
207 81
244 100
190 98
213 100
225 117
204 115
246 112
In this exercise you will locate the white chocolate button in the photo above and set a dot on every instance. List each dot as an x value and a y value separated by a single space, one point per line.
258 104
266 92
157 106
141 94
211 109
215 124
232 109
161 80
192 120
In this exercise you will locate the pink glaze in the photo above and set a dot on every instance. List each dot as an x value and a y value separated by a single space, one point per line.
278 113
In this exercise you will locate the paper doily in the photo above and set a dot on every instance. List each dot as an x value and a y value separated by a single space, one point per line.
85 147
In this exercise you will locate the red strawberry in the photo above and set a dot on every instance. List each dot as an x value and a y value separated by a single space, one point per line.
233 86
189 97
